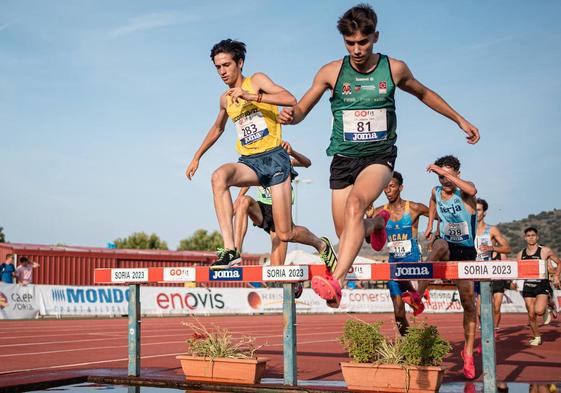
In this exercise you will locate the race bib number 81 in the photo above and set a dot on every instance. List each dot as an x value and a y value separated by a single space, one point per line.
251 128
365 125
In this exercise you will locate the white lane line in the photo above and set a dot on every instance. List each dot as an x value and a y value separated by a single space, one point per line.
86 363
86 349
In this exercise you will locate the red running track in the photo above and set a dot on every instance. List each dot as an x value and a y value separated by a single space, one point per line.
29 349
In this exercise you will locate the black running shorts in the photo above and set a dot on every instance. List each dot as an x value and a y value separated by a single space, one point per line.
344 170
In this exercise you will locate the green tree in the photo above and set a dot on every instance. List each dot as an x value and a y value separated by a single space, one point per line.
2 236
201 240
141 240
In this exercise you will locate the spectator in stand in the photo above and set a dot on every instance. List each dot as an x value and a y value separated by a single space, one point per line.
8 270
24 271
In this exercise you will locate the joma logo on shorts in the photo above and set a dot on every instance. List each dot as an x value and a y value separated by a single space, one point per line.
411 270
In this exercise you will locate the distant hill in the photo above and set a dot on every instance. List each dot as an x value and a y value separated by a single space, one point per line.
548 224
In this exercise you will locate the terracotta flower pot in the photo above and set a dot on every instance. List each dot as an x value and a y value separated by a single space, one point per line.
245 371
391 378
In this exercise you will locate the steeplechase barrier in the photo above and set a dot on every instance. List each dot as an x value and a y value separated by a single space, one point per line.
288 275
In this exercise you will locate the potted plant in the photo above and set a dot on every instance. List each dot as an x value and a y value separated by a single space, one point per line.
405 364
215 356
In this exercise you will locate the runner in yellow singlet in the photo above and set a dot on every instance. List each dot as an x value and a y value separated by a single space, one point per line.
252 104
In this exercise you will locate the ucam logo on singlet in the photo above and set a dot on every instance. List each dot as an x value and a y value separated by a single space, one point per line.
233 274
414 270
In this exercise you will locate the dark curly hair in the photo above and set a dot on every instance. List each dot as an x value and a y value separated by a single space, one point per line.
233 47
449 161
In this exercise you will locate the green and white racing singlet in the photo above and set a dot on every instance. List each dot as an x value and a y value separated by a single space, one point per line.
363 108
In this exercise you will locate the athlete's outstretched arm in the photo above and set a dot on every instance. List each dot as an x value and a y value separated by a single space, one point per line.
406 81
547 253
465 186
503 246
419 209
211 137
432 214
298 159
267 92
322 81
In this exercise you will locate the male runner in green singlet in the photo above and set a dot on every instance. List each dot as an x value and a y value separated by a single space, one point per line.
363 135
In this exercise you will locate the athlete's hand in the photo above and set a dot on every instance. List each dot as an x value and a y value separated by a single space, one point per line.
428 233
286 146
237 92
432 168
472 133
286 116
192 168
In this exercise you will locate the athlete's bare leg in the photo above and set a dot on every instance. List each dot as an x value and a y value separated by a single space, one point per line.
278 250
465 288
247 206
497 303
281 195
536 308
399 313
338 201
367 188
439 252
226 176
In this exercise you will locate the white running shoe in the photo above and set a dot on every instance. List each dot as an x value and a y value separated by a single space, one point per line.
547 316
535 341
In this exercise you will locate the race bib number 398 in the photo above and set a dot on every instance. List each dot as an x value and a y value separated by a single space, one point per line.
368 125
251 127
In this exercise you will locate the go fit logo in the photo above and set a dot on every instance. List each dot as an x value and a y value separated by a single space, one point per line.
189 300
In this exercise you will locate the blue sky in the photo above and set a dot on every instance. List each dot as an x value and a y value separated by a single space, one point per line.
103 103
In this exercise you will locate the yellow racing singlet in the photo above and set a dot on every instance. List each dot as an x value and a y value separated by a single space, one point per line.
256 123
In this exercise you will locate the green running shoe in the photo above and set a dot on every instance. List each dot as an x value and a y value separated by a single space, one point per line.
328 256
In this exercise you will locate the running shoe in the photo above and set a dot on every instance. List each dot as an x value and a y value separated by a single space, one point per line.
328 255
426 295
535 341
414 300
298 289
547 316
226 259
469 365
553 313
378 238
328 289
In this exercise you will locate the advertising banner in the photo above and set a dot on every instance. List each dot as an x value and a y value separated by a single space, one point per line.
32 301
18 301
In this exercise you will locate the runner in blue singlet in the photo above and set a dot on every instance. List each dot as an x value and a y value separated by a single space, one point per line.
403 246
454 202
